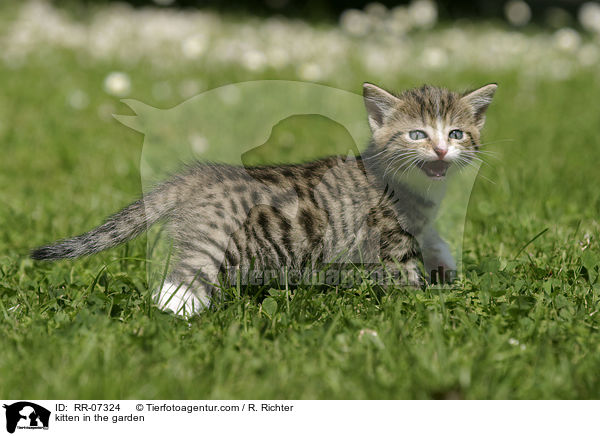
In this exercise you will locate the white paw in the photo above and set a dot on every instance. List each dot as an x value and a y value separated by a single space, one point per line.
180 300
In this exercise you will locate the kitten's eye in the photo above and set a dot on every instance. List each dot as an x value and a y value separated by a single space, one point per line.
417 134
456 134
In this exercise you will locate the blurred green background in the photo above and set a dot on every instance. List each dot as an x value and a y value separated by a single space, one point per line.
522 323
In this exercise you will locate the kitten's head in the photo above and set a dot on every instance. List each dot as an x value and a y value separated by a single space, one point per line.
427 128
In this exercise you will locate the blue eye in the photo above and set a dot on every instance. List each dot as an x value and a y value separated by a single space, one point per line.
456 134
415 135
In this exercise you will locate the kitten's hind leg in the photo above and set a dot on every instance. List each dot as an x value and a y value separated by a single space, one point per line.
187 291
181 299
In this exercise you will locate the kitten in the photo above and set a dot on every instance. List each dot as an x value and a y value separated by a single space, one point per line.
380 207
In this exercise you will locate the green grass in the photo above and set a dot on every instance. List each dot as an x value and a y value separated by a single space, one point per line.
522 324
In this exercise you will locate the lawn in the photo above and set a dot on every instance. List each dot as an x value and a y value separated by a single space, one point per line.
522 322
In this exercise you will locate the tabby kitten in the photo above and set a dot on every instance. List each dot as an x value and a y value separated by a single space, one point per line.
378 207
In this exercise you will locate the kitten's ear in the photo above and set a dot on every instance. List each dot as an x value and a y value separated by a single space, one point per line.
379 103
479 100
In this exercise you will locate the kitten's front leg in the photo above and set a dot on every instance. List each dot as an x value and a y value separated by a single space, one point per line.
437 259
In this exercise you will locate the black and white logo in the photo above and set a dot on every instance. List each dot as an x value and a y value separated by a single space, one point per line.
26 415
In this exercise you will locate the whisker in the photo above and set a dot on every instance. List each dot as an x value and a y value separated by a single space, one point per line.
485 178
415 162
496 142
485 153
472 155
467 162
405 154
392 161
404 164
375 155
463 164
470 159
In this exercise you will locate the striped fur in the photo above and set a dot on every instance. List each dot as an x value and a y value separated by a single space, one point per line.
372 209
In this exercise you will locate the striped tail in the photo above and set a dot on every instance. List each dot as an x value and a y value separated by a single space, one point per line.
119 228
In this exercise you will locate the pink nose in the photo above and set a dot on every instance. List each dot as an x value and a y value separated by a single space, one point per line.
441 152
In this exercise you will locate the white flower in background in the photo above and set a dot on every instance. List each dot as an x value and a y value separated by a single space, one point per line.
434 57
117 84
513 341
310 72
229 95
254 60
198 142
370 337
589 16
355 22
193 46
397 22
166 40
423 13
376 10
367 332
589 55
278 57
78 99
518 13
567 39
376 61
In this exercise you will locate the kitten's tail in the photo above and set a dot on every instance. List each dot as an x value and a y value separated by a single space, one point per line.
121 227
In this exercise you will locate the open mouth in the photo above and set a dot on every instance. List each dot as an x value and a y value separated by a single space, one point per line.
435 169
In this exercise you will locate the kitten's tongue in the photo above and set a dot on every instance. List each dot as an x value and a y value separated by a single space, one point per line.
435 168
